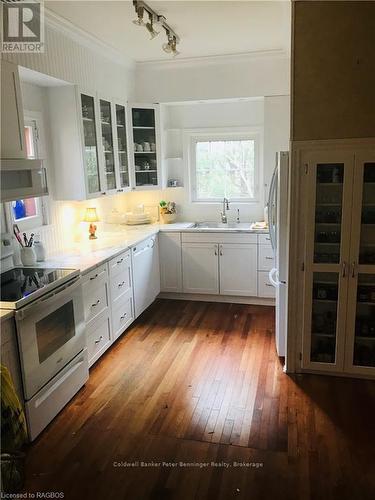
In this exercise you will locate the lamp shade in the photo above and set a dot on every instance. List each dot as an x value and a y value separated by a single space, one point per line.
91 215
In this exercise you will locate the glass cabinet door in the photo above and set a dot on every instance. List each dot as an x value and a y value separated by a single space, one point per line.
90 143
328 181
360 356
328 212
325 295
145 157
367 236
107 143
364 336
122 146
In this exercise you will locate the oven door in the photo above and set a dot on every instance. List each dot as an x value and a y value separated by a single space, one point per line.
51 332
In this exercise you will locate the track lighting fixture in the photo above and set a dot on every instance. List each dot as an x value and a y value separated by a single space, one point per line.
159 22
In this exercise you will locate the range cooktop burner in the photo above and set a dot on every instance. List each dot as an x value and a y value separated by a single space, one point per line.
21 282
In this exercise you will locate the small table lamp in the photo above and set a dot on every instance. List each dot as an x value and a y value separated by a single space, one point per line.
91 216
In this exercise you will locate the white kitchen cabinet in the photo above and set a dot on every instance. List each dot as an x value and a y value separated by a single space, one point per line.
121 293
339 262
145 146
89 142
200 264
266 262
238 269
98 338
9 354
146 273
170 262
12 122
95 289
265 288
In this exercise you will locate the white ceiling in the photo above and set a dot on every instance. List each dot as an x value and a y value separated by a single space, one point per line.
206 28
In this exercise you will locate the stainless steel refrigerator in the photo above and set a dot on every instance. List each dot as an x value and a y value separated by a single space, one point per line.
278 217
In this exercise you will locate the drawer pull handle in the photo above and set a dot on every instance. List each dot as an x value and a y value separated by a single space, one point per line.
94 277
121 260
121 284
99 339
96 303
269 258
123 317
267 284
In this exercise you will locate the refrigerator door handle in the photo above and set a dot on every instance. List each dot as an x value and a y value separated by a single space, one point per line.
270 209
271 275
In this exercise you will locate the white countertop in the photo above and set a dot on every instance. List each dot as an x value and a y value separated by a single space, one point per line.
87 254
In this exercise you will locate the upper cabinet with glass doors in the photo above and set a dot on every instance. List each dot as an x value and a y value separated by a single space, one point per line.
90 146
145 147
339 264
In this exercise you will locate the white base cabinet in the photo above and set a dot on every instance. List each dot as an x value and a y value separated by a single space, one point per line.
238 269
146 273
121 293
226 264
200 267
170 262
95 289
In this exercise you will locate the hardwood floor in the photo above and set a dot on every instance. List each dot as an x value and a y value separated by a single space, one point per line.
198 383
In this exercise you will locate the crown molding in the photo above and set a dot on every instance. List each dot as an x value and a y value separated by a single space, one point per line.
82 37
217 59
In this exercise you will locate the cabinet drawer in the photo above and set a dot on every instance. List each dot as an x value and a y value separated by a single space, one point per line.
122 316
264 239
119 264
95 302
98 339
265 289
120 284
266 259
94 279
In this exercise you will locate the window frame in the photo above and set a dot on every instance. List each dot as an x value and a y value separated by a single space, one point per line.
35 120
193 136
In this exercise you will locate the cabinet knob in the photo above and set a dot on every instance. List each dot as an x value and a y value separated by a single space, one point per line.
93 277
123 317
121 284
96 303
120 190
121 260
103 193
99 339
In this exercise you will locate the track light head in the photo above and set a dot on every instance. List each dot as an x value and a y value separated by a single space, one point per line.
150 29
139 21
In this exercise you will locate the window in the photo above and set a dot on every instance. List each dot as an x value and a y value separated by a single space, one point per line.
31 212
224 165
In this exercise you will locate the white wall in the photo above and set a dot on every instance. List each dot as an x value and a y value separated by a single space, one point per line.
226 77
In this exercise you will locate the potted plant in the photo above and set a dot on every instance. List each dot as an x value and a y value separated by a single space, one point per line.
168 211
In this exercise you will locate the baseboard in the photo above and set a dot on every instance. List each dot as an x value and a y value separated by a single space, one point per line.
218 298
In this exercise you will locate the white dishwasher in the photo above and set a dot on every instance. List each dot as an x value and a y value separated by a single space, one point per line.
146 273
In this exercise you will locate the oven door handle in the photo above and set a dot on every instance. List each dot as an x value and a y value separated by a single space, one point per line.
61 292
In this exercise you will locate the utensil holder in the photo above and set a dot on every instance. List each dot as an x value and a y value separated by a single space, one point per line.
28 256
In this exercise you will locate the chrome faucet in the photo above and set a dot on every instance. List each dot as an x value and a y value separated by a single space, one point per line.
224 219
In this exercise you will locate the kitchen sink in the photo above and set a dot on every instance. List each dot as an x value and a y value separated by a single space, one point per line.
222 226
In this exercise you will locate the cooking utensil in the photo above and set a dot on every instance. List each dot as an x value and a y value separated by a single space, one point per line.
17 234
31 240
25 240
